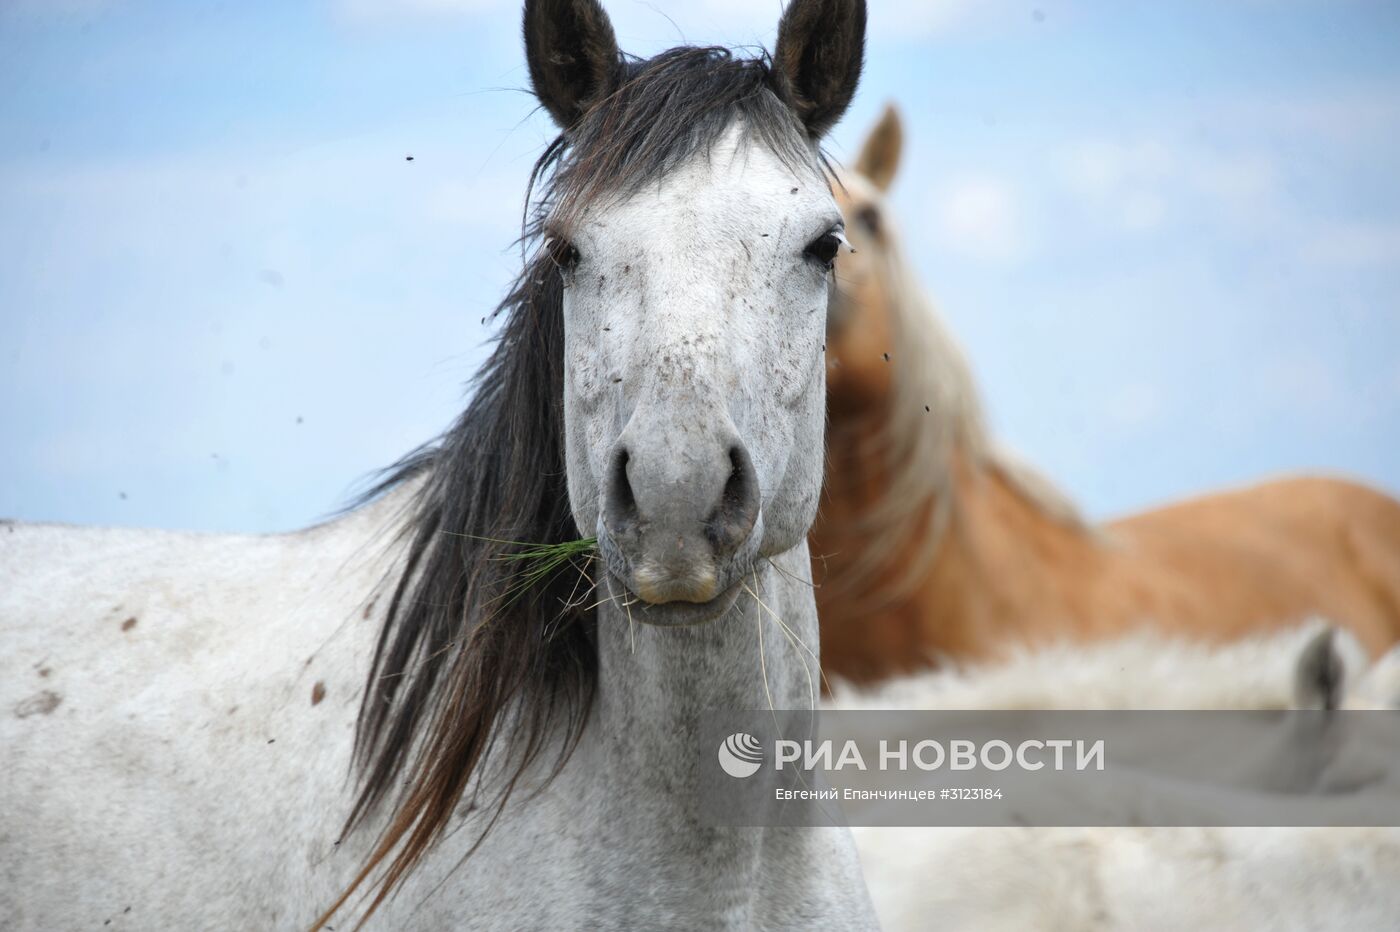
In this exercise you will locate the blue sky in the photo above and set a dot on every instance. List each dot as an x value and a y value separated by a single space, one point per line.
1167 234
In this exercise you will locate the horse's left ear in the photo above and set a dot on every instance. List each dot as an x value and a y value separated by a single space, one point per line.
821 46
573 56
879 157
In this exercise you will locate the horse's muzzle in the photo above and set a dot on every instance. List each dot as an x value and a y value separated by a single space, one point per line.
680 519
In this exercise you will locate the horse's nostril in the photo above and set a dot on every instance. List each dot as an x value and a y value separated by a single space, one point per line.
734 517
739 468
621 502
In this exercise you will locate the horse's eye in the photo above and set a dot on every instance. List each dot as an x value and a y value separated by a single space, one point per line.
562 252
869 217
823 249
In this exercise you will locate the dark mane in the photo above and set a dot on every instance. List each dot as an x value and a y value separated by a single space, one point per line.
668 109
453 657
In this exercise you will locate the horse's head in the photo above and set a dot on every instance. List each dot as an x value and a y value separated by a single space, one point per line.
697 235
860 330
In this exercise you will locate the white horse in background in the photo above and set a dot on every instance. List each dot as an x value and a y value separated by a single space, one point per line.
1133 879
992 879
239 732
1311 666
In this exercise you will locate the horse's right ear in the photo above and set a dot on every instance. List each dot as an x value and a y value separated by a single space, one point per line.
573 56
817 62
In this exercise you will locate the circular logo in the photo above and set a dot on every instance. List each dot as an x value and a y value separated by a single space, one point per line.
740 755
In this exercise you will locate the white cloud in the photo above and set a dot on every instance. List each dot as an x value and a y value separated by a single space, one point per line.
1143 211
1352 244
1133 405
1238 178
1131 184
1304 383
1124 181
1103 168
980 216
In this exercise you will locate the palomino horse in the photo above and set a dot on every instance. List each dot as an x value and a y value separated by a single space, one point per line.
933 542
981 879
182 710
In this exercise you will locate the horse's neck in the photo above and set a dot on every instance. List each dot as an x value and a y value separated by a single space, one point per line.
654 685
996 560
1012 568
654 682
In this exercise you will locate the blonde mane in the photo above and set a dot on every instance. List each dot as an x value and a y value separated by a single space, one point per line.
935 418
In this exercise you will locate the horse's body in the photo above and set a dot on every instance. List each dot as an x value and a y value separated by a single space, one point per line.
169 757
1311 666
987 879
1138 879
932 542
186 766
206 731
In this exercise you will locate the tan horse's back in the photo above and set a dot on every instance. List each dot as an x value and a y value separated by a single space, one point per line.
1225 564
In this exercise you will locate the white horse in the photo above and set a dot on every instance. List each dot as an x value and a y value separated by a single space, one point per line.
232 732
1310 666
1226 879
